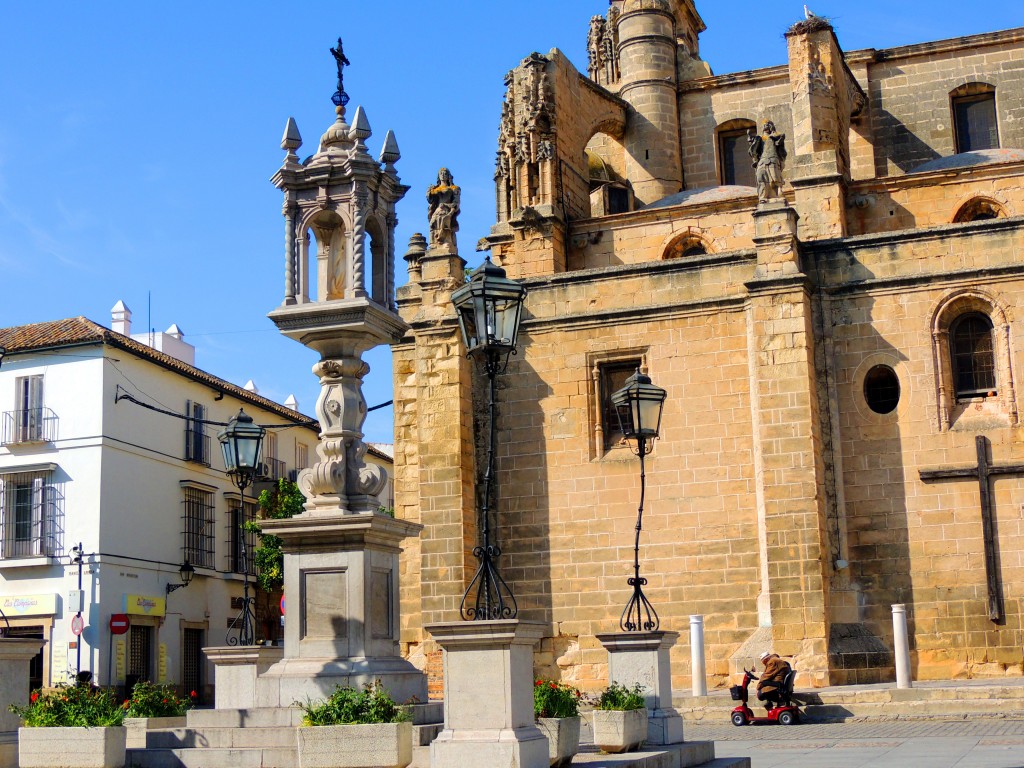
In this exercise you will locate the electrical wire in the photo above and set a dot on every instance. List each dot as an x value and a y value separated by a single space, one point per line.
122 394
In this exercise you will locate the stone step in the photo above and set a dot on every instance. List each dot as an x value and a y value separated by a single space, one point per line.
422 735
211 758
695 754
269 717
222 738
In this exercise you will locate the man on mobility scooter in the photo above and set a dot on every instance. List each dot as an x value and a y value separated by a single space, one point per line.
775 689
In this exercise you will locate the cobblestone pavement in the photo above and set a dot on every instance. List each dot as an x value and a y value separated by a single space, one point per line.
896 744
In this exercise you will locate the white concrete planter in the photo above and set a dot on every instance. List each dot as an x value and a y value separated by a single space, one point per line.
138 726
620 731
72 747
387 745
563 735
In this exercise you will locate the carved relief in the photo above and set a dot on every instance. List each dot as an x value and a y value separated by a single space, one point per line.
602 48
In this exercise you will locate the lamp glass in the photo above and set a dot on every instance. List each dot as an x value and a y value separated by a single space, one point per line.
639 405
240 442
186 572
489 309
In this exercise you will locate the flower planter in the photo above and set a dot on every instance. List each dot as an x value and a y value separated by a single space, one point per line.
139 726
563 738
72 747
385 745
616 731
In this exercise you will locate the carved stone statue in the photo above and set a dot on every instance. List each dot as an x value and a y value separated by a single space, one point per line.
444 204
768 152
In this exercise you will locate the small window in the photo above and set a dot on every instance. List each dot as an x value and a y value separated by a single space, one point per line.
979 209
197 442
613 378
972 356
974 117
618 199
882 389
734 157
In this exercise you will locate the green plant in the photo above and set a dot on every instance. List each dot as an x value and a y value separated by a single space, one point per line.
551 699
386 511
619 698
148 700
280 502
348 706
71 706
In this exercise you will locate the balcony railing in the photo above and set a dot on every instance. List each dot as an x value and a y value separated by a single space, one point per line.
29 425
273 469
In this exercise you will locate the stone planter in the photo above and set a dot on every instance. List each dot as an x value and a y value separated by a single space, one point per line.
139 726
386 745
620 731
563 734
72 747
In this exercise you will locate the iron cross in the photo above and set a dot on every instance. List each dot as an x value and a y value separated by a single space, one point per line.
983 472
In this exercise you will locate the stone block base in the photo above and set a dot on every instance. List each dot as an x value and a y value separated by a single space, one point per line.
520 748
292 680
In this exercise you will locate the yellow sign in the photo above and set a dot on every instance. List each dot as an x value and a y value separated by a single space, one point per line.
162 664
120 663
29 605
144 605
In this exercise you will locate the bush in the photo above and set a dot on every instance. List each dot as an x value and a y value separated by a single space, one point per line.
148 700
551 699
620 698
71 706
347 706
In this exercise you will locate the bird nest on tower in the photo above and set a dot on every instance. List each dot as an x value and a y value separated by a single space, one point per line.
813 24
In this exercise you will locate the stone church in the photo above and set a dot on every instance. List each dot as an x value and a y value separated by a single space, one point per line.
841 353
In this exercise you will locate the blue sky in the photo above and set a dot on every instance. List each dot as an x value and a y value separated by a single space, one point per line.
137 140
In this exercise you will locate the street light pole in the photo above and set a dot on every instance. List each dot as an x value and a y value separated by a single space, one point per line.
489 308
240 442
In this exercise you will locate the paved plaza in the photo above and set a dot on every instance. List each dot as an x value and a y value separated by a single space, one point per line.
991 743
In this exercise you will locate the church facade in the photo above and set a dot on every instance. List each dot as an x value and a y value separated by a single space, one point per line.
841 354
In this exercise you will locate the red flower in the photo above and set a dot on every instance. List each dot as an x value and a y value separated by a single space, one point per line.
540 682
193 694
554 687
34 697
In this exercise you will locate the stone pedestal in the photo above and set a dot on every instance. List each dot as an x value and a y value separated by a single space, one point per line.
342 625
237 667
15 656
643 657
488 695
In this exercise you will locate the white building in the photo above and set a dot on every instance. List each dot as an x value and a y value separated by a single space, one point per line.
141 489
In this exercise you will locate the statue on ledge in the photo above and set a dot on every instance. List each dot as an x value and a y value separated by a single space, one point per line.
768 152
444 205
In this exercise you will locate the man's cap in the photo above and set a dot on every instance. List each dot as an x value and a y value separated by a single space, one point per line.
765 655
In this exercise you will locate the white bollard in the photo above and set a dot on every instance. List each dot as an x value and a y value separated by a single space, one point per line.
700 678
901 646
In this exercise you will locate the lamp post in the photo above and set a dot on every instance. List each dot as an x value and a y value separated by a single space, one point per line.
638 405
489 308
185 573
240 442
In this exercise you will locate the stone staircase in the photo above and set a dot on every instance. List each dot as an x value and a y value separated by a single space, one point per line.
246 738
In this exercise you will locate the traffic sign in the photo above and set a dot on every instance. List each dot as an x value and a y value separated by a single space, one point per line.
282 604
119 623
77 625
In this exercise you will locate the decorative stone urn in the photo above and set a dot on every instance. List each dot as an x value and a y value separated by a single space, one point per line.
72 747
617 731
383 745
563 734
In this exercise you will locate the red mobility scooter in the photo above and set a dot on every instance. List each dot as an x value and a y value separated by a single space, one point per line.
782 710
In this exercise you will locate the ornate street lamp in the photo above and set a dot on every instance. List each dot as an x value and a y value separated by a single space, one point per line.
185 573
489 307
638 405
241 441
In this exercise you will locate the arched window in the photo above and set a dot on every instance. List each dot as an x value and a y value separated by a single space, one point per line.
978 209
688 244
972 355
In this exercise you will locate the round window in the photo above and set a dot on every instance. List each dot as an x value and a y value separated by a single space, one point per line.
882 389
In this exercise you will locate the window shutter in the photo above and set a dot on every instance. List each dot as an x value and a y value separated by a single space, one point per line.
188 430
35 392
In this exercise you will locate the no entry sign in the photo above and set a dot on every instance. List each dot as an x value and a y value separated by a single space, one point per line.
119 623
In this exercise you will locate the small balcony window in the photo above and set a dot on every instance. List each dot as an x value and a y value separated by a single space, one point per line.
31 516
30 421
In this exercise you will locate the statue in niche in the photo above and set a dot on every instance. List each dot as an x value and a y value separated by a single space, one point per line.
444 204
768 152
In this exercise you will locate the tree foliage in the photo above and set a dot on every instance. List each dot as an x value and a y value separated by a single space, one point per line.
278 503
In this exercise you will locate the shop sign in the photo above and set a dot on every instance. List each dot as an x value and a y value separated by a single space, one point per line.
29 605
144 605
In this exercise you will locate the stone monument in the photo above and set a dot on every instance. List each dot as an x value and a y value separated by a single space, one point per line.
341 555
